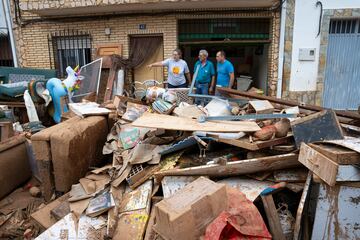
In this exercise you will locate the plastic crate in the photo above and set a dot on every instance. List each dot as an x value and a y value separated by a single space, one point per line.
182 95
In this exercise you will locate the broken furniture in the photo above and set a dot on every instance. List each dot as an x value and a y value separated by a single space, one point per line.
6 130
326 168
64 152
14 164
16 75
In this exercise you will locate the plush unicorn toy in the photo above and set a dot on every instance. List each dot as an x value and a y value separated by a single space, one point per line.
58 89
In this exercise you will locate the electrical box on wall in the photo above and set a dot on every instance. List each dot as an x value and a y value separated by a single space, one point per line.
307 54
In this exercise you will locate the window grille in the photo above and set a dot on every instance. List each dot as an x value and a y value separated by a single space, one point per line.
69 48
344 26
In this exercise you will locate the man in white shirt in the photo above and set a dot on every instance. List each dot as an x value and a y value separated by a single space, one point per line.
178 70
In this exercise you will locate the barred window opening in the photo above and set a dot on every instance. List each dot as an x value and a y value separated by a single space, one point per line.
69 48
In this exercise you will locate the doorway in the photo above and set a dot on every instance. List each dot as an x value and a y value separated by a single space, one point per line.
142 72
342 72
245 41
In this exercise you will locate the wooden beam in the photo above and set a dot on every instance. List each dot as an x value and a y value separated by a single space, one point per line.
245 143
300 210
110 84
338 154
161 121
13 104
272 217
346 114
238 167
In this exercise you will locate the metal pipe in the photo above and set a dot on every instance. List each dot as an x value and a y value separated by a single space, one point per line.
202 119
281 50
6 5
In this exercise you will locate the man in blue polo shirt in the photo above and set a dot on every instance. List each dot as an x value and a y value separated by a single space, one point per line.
225 71
205 75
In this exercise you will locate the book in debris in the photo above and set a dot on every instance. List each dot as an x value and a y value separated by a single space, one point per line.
162 106
100 204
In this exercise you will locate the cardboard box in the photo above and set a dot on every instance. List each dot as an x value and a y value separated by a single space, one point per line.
186 214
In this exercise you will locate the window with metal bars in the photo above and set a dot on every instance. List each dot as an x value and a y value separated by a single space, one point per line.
344 26
69 48
224 28
6 58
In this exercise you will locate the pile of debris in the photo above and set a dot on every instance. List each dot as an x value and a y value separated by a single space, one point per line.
236 168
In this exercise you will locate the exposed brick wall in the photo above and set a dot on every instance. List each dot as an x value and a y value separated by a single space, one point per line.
35 52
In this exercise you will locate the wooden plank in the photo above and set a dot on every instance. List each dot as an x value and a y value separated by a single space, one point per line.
317 127
43 216
245 143
272 217
300 210
13 104
161 121
291 175
110 84
108 50
338 154
237 167
318 163
349 142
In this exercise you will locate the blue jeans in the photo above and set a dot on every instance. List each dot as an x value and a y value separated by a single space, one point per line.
203 89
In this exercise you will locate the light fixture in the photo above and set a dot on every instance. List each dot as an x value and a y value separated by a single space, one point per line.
107 31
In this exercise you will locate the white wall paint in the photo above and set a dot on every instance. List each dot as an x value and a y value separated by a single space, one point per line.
304 73
3 27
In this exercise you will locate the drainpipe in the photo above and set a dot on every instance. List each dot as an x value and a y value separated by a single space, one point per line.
281 50
6 5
